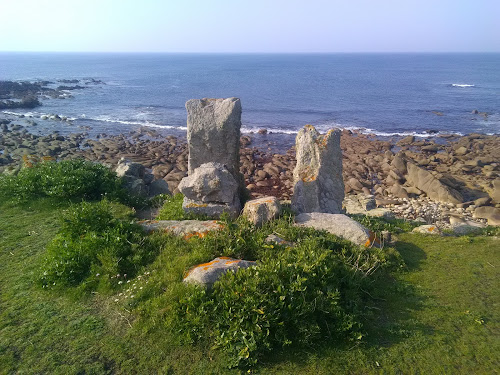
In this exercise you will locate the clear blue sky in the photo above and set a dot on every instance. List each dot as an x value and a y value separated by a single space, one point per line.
250 25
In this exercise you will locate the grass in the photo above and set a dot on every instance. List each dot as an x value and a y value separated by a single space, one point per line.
439 315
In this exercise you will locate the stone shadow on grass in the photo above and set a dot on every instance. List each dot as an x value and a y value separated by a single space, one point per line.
390 318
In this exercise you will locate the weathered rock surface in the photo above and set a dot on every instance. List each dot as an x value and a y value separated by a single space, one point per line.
185 228
261 210
126 167
492 214
365 205
207 274
427 229
432 186
210 182
212 210
158 187
463 229
274 239
318 183
213 133
211 190
339 225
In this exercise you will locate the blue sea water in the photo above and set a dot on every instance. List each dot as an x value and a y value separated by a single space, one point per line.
386 94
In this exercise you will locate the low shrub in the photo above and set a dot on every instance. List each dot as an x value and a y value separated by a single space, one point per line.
172 210
377 224
297 296
95 248
68 179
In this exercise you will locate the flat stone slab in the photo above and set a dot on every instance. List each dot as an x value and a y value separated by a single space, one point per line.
208 273
339 225
185 228
427 229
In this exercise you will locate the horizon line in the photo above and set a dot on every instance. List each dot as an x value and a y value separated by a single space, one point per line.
258 53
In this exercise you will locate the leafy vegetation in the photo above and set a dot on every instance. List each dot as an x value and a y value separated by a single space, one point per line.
172 210
68 179
95 248
321 306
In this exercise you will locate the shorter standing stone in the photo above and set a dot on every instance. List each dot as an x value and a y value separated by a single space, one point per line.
207 274
339 225
318 183
259 211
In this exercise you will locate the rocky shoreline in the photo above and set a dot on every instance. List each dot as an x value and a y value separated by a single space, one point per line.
438 180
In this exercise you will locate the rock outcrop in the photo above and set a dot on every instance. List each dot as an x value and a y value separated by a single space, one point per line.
137 181
318 184
432 186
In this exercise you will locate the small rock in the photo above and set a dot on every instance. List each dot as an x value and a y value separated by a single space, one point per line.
427 229
262 210
207 274
339 225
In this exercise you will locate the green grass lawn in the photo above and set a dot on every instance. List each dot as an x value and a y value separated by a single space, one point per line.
440 315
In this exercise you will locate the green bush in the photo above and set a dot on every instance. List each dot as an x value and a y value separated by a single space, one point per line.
95 247
377 224
172 210
69 179
297 296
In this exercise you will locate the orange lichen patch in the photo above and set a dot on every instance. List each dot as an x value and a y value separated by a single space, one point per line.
232 262
207 266
260 201
432 229
372 240
195 234
194 205
307 175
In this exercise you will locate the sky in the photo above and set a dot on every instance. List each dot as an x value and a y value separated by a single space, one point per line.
250 26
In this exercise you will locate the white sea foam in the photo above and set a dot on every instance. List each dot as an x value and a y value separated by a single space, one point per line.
461 85
140 123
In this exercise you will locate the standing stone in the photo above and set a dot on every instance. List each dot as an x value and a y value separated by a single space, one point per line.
318 183
214 184
213 133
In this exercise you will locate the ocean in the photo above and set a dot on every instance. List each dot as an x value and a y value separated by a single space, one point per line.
384 94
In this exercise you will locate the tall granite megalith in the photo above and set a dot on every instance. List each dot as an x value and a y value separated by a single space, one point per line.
213 134
318 183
